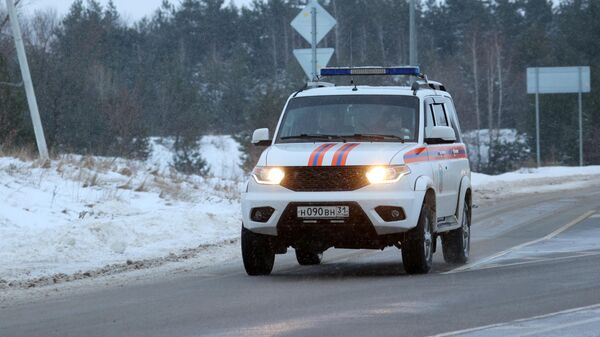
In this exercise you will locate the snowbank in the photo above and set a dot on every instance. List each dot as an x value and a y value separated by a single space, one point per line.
533 180
222 155
83 213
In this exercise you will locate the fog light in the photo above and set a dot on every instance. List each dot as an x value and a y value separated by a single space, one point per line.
390 213
261 214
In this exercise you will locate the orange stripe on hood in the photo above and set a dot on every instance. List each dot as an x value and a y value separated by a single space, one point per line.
322 154
316 157
347 152
338 153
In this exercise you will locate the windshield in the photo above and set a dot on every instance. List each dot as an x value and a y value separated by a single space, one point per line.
389 118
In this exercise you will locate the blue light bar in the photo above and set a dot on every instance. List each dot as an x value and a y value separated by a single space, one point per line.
357 71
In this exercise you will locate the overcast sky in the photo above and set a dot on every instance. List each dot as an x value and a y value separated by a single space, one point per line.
129 9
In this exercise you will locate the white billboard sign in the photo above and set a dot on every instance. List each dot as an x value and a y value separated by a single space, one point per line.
558 80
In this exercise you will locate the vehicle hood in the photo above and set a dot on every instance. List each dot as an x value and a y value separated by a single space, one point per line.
335 154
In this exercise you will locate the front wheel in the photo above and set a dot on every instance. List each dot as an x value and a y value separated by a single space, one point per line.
456 244
257 253
417 249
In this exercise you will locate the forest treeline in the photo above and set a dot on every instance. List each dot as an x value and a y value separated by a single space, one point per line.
202 66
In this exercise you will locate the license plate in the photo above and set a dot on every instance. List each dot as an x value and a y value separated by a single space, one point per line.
323 212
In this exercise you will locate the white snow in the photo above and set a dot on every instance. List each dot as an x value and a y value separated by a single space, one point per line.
222 154
83 213
535 180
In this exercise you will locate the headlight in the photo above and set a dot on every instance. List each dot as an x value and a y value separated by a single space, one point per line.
268 175
386 174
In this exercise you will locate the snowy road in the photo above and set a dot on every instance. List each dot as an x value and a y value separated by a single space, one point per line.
534 271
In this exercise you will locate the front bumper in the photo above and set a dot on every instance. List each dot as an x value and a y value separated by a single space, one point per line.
399 194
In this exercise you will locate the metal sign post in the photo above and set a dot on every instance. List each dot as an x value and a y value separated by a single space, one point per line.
558 80
313 16
27 82
313 23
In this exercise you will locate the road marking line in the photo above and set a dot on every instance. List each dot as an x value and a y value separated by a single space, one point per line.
525 244
522 320
538 260
597 215
558 327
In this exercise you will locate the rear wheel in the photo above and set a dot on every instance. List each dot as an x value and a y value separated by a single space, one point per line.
417 249
456 243
257 253
308 258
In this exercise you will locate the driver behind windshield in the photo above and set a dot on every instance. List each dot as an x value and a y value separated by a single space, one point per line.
395 126
327 123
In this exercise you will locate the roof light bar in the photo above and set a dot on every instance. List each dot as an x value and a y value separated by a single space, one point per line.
357 71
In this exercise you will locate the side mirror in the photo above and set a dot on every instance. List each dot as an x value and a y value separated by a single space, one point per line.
440 134
260 137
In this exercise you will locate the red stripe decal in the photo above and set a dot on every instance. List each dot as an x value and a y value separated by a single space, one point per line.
337 154
433 153
416 155
311 159
347 152
322 154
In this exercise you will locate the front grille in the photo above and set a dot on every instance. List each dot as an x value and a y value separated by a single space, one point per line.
324 178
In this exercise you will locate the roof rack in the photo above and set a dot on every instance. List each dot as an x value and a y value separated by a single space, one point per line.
312 85
426 84
319 84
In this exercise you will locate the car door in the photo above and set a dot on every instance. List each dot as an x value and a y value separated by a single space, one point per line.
457 161
440 159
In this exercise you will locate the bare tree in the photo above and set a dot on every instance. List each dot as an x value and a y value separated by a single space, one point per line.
473 47
491 79
500 80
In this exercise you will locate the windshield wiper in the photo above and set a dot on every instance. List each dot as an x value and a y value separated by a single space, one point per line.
313 136
377 136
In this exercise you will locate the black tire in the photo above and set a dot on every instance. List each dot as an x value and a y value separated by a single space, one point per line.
456 244
417 249
308 258
257 253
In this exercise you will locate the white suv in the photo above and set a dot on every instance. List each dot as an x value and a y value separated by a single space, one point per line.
360 167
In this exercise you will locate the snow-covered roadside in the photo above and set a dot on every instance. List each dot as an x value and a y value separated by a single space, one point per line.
221 153
534 180
82 214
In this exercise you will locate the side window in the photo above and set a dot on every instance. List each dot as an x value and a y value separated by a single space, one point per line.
453 119
440 114
429 117
429 123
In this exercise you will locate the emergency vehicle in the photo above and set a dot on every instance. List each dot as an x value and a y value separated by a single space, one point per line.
360 167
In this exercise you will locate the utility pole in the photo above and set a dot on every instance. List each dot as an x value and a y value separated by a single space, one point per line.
27 82
412 49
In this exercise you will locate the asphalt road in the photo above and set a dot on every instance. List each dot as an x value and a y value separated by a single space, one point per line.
354 293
